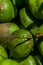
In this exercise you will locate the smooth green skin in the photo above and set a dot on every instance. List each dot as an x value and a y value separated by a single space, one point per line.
31 60
36 8
7 12
28 61
25 19
40 47
21 44
3 52
1 59
9 62
13 27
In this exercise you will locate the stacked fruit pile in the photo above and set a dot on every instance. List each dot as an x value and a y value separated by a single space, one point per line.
21 32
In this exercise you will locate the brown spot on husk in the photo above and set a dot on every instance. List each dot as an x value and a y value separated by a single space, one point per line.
4 29
38 34
1 8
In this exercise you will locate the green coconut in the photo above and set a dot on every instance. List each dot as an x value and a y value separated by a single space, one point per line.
7 12
20 43
31 60
36 8
28 61
25 19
